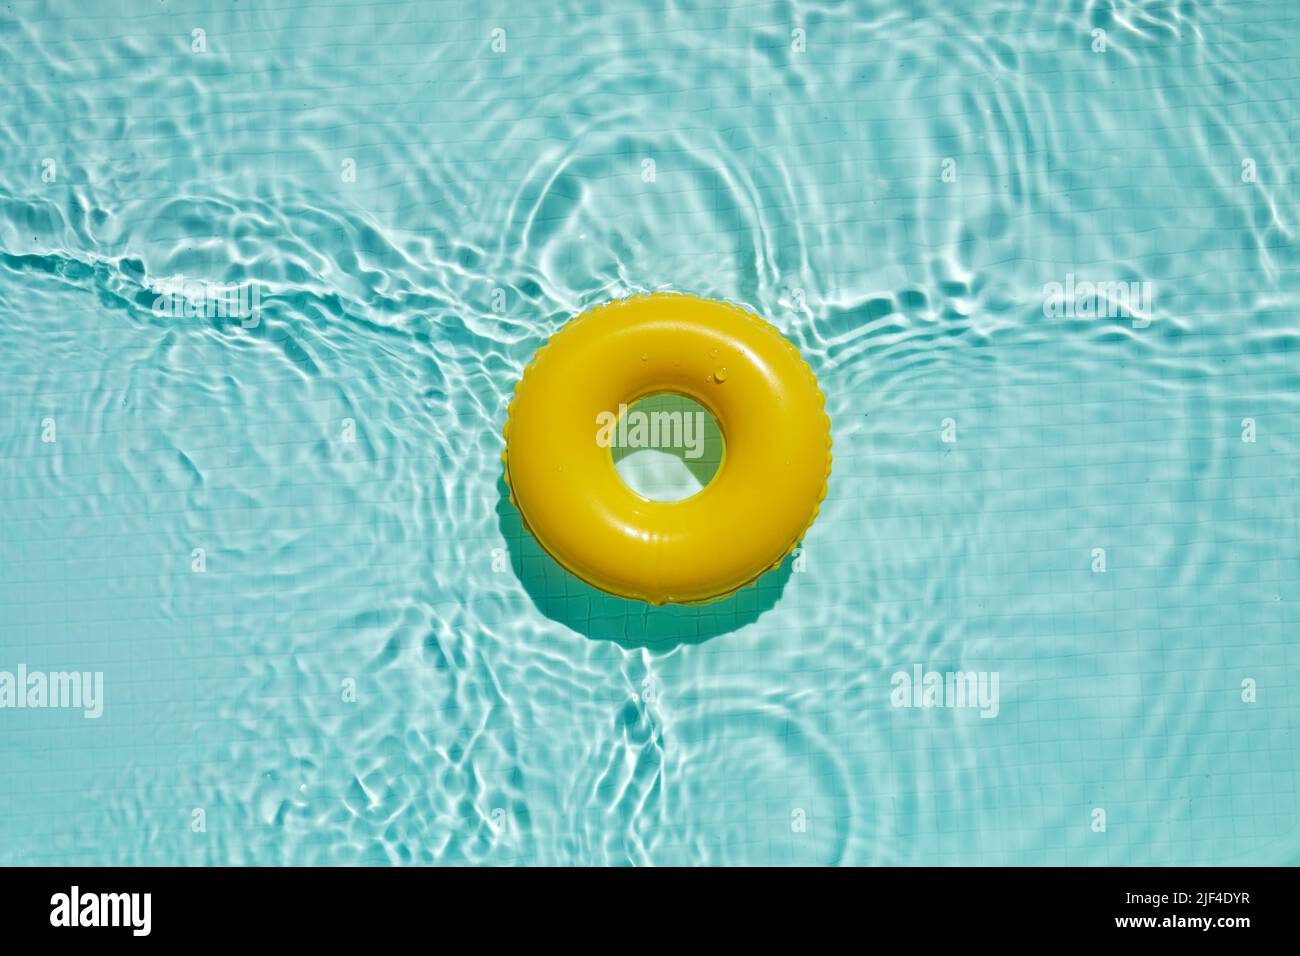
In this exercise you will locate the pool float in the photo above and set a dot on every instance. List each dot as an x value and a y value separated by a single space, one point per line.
775 464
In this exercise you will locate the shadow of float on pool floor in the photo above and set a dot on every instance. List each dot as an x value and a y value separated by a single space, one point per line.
569 600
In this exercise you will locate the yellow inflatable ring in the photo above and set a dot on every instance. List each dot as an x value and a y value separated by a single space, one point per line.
775 466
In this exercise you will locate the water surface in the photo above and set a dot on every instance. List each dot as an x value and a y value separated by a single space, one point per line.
285 542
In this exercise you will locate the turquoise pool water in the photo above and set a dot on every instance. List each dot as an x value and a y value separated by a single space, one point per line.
1043 262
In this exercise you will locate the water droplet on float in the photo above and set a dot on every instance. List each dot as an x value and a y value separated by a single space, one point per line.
720 376
713 353
645 358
